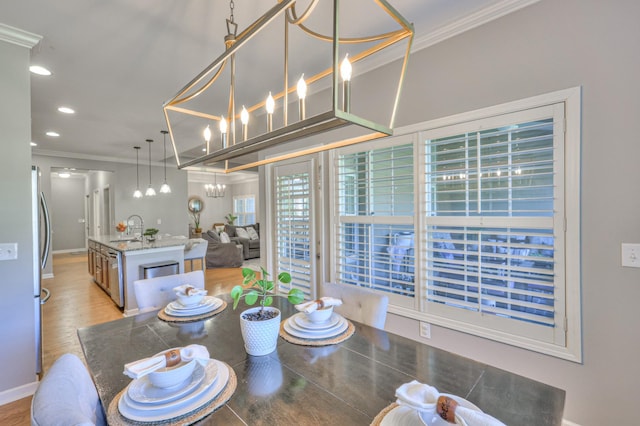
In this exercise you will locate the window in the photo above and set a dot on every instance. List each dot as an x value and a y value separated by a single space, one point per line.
244 207
375 205
471 222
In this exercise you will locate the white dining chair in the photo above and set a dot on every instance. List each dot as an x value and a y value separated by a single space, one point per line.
66 396
358 303
196 249
155 293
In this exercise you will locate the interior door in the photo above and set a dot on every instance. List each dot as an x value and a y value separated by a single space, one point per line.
292 197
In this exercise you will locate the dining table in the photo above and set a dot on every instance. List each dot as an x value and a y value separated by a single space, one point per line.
346 383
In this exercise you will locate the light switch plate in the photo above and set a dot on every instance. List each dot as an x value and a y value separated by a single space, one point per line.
8 251
631 255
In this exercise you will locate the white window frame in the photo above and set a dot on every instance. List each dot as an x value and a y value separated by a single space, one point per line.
242 215
570 349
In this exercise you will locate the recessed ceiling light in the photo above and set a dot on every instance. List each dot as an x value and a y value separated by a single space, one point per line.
34 144
53 134
66 110
37 69
64 175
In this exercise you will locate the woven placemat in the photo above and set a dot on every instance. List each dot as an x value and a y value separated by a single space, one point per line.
318 342
114 418
386 410
170 318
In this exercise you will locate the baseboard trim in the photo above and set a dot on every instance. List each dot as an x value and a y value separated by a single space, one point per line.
566 422
14 394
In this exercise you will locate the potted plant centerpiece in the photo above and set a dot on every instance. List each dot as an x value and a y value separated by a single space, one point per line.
260 325
150 233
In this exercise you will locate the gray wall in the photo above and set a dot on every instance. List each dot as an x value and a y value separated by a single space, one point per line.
67 214
215 209
548 46
17 356
169 208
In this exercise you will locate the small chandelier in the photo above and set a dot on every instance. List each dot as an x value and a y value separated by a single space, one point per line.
336 57
137 193
215 190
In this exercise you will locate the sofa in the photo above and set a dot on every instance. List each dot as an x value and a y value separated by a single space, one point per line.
250 246
221 255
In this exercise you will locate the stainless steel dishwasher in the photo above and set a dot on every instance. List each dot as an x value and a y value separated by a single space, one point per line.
114 268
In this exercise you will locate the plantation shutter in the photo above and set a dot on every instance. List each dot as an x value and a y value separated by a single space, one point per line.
375 242
294 234
494 223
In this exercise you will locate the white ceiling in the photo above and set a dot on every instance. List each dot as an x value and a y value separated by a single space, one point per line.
116 62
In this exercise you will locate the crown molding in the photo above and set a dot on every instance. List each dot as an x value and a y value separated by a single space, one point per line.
18 37
471 21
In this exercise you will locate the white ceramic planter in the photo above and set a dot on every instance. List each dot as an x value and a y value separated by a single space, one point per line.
260 337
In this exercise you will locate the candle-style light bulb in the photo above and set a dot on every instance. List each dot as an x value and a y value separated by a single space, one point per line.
345 73
207 137
302 93
244 119
270 105
223 131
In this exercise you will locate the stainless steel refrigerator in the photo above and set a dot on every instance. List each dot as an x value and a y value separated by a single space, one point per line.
41 243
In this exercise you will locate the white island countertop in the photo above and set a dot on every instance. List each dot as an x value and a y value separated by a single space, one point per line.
128 244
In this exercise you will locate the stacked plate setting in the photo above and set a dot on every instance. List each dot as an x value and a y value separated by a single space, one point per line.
143 402
208 304
299 325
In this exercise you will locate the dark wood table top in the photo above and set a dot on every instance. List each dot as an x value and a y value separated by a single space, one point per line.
348 383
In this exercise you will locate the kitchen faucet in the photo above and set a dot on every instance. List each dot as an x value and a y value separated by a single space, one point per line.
131 225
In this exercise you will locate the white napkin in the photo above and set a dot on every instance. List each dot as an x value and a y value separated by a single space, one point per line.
314 305
423 397
182 289
140 368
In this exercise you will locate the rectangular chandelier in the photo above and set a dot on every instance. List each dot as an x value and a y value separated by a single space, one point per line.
292 75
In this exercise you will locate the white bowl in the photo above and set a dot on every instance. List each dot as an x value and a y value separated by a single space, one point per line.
320 315
172 376
190 300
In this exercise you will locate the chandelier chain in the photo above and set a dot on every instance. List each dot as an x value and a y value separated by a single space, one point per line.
232 6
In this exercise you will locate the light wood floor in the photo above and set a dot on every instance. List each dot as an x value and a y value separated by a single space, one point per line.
76 301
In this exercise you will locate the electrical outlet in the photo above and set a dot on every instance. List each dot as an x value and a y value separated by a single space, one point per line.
159 221
631 255
425 330
9 251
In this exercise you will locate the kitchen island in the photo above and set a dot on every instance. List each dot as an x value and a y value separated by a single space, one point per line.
116 262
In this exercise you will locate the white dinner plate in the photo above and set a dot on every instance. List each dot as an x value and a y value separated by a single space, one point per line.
179 408
303 321
407 416
142 391
201 309
295 330
206 301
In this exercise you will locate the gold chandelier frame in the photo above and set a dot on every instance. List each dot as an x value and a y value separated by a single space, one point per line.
338 116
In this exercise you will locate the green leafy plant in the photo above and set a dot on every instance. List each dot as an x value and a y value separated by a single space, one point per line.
150 232
263 289
196 220
231 219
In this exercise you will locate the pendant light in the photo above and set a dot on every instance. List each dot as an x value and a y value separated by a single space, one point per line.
150 191
165 188
137 193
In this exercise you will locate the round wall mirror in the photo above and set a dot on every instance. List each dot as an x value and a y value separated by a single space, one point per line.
195 205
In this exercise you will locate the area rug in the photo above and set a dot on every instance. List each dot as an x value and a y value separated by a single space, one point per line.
253 264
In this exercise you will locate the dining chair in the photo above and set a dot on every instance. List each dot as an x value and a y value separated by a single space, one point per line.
155 293
66 396
358 303
196 249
